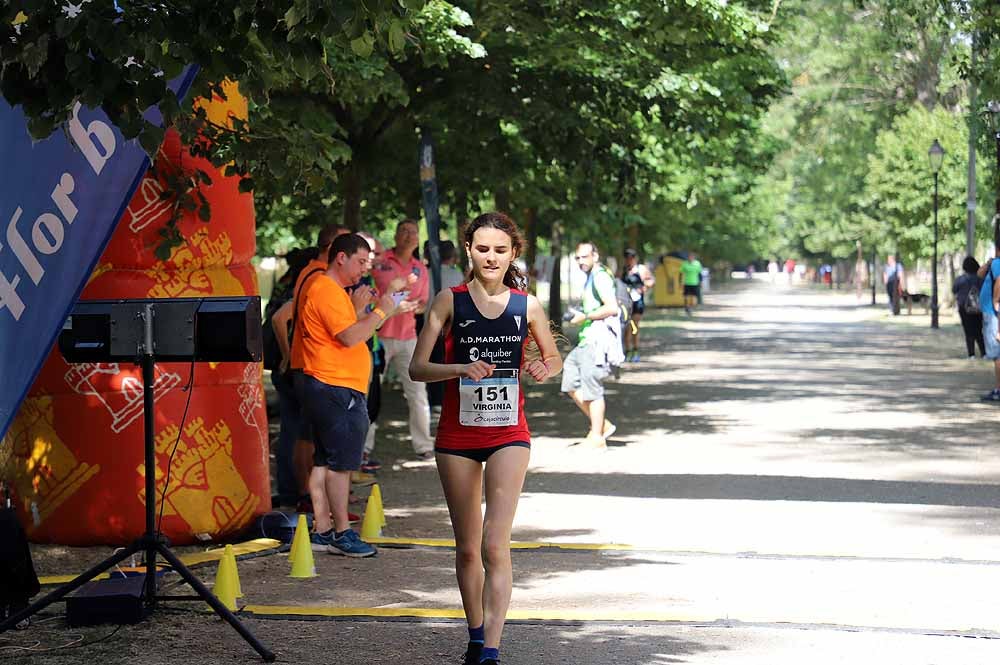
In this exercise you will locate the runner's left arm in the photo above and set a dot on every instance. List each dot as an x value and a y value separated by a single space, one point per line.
550 362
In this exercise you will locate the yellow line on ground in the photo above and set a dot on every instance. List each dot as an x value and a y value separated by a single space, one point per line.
240 549
63 579
194 559
454 613
445 542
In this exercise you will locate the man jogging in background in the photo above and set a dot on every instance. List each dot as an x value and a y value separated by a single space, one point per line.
332 329
691 274
588 365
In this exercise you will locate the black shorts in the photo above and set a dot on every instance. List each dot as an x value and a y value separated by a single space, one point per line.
690 289
480 454
339 418
638 306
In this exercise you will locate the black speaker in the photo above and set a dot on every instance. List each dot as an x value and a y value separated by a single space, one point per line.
184 329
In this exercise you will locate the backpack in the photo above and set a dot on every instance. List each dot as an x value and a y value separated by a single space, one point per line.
272 352
616 352
971 304
623 298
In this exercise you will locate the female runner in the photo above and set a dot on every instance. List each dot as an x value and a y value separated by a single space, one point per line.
487 325
639 280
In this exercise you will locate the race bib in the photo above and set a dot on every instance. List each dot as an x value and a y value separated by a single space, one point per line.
491 402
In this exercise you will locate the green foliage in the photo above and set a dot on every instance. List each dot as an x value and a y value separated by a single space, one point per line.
603 118
900 185
856 67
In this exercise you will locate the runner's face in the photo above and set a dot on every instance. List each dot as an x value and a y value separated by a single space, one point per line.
490 253
585 257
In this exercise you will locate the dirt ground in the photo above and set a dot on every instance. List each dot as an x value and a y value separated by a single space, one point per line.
798 468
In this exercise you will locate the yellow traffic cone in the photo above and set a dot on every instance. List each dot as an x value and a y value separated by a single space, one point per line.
301 536
229 554
377 493
302 554
371 526
224 588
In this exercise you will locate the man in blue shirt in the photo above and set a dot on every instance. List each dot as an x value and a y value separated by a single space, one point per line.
989 298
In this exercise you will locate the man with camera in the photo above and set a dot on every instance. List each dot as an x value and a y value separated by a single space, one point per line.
588 365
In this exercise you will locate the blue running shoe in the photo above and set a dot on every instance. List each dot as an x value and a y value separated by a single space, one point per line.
472 653
321 541
350 544
992 396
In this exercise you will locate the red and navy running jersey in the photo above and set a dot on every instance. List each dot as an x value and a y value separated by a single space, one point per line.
500 341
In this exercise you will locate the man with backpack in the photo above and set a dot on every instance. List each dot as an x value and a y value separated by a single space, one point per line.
599 348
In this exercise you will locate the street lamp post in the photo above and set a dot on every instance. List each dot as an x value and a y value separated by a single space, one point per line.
936 155
872 274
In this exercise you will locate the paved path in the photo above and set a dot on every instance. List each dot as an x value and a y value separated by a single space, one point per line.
798 478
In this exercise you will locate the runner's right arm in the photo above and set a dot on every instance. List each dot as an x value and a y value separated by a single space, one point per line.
421 367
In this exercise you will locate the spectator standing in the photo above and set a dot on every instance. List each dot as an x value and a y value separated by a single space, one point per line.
772 270
293 483
292 362
399 335
966 290
691 275
451 274
369 463
893 277
332 330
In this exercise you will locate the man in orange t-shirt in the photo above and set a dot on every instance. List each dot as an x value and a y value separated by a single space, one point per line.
333 385
297 461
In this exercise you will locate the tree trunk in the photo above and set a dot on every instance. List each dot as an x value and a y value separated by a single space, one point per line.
413 203
633 237
351 188
555 286
531 247
501 199
461 219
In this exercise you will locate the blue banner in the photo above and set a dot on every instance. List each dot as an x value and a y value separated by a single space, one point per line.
60 200
429 192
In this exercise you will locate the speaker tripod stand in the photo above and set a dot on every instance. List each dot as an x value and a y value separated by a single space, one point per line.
150 543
